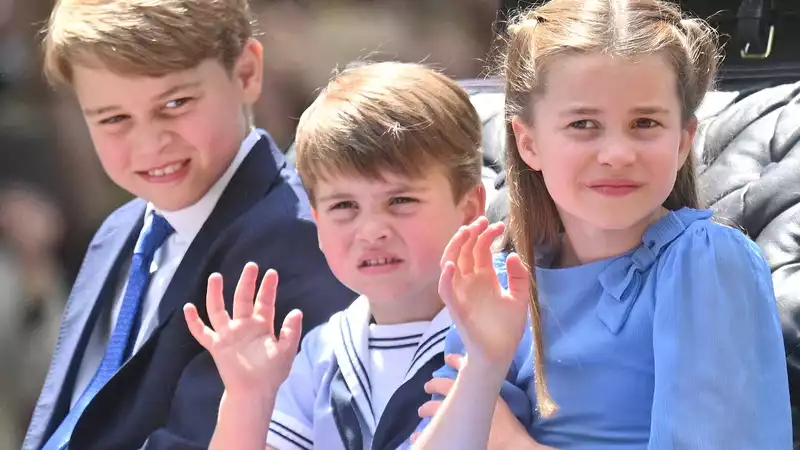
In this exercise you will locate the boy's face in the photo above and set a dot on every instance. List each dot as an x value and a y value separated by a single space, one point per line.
169 139
384 239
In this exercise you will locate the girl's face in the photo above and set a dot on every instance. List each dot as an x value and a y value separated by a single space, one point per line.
608 137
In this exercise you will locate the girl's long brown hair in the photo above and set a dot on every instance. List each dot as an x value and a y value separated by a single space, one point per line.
630 29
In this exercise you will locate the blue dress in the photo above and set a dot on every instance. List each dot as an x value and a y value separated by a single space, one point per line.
676 344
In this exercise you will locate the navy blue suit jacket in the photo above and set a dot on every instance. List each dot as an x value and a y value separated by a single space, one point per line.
167 395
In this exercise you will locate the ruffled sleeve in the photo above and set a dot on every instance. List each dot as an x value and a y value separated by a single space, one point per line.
720 370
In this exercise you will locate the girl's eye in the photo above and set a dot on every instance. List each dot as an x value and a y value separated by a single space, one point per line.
584 124
645 123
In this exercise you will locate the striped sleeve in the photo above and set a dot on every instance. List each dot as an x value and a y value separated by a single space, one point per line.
293 417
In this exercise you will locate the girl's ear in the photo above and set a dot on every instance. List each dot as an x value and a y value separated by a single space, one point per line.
687 139
523 135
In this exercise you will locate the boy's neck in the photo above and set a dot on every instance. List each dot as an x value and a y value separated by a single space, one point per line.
401 311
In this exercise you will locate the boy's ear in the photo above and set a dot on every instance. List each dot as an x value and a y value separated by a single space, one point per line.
474 203
249 71
315 216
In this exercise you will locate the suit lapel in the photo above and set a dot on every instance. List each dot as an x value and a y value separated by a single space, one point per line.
92 290
249 184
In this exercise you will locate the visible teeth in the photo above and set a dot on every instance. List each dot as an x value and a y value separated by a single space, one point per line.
378 262
172 168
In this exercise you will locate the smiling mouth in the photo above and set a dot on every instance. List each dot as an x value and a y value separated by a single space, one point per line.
166 170
379 262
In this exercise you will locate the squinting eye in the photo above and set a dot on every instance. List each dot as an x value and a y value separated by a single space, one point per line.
402 200
113 120
645 123
343 205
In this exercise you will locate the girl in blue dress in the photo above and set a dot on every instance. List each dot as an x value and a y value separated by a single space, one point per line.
651 325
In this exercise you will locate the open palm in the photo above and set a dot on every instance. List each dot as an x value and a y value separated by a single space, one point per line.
490 319
248 355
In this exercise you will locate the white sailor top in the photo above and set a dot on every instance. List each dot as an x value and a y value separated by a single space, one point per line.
355 386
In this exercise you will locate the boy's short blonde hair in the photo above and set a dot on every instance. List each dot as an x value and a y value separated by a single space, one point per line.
144 37
390 117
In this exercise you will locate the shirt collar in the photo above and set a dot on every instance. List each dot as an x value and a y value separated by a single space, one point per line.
188 221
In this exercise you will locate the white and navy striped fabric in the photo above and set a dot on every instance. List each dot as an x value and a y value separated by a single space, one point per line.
391 350
335 395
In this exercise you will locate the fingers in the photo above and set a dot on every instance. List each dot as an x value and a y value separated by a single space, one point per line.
454 360
518 278
415 435
215 304
482 251
453 248
440 386
291 331
466 261
446 280
245 291
429 408
201 333
265 300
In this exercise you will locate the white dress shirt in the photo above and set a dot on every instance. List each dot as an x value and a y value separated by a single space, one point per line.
187 223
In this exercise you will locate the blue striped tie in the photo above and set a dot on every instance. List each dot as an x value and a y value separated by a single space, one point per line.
120 343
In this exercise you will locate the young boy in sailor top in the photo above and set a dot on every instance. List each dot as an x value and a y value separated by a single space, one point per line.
390 156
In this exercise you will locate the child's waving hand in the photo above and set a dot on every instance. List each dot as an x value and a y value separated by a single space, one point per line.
250 358
491 320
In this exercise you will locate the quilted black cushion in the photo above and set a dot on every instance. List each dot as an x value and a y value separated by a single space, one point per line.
749 173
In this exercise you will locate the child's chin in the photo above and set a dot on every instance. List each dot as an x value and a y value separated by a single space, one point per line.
620 219
174 203
383 294
176 198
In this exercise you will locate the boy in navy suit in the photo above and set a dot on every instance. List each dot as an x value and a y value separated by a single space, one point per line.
166 89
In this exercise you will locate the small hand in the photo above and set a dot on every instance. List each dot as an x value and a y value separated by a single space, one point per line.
249 357
490 319
506 433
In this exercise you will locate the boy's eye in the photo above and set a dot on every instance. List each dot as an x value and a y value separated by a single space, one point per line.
645 123
584 124
402 200
343 205
177 103
112 120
